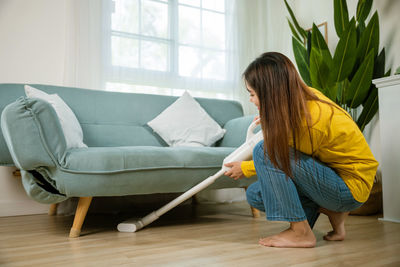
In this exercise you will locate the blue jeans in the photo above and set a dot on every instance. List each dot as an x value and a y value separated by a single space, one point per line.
314 185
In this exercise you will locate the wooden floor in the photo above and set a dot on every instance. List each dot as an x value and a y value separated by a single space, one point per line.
202 235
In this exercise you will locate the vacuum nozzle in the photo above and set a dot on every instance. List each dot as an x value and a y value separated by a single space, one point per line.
130 226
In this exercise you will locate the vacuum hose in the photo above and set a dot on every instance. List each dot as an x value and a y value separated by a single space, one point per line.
244 152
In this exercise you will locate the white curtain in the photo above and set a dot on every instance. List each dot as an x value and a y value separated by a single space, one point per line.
83 52
262 27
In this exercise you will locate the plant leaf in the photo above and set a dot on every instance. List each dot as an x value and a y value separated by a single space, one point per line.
345 53
302 61
379 66
341 16
369 39
331 92
360 30
320 62
296 24
363 9
319 71
318 42
294 32
309 38
369 109
341 91
361 82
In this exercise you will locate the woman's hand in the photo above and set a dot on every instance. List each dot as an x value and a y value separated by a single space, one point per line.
236 170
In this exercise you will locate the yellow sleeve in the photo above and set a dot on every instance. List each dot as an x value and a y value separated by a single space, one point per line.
248 168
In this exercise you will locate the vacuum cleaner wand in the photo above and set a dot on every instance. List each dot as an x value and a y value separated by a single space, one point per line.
244 152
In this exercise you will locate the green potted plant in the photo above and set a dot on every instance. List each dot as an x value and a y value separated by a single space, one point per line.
346 76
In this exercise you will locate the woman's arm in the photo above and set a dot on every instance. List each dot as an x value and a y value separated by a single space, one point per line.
240 169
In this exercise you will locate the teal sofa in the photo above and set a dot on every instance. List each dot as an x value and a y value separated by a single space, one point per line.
124 156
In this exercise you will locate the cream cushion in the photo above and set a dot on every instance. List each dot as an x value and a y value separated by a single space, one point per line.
69 123
186 123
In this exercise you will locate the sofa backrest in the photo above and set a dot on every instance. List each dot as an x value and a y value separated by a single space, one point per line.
112 118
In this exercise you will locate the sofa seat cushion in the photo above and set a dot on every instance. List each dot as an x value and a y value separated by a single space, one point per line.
137 158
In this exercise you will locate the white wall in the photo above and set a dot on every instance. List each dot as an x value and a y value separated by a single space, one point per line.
13 199
31 51
32 41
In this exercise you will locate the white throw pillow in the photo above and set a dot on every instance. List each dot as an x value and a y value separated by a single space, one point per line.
186 123
69 123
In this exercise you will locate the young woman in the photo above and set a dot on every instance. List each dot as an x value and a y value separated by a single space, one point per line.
313 159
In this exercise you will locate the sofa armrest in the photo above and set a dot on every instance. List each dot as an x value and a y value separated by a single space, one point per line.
236 130
33 133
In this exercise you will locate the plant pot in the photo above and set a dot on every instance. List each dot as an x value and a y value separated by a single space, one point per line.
374 203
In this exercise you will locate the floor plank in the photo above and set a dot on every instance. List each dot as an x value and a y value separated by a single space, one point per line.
201 235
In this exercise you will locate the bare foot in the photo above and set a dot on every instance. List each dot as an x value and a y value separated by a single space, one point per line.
337 221
299 235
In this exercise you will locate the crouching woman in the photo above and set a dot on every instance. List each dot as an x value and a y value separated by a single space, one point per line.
314 159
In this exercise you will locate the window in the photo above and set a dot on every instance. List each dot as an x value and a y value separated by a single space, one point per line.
161 46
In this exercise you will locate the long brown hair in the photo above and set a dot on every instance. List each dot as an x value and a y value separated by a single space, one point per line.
283 100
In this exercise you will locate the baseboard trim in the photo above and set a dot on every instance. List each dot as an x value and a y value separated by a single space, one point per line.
388 220
22 208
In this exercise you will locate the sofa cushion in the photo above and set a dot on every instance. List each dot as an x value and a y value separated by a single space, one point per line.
69 123
124 159
186 123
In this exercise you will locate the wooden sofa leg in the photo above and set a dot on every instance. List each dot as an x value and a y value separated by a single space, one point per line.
254 211
80 214
53 209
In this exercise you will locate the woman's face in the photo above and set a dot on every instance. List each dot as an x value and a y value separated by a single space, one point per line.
253 96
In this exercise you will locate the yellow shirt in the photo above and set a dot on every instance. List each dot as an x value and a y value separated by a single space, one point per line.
339 144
